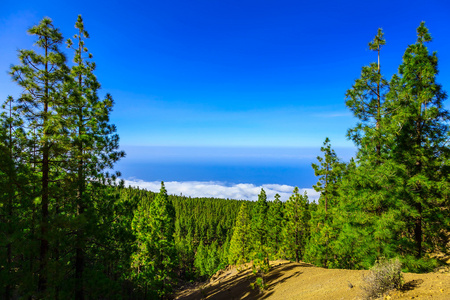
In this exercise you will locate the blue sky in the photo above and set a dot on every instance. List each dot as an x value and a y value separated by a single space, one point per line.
230 73
241 74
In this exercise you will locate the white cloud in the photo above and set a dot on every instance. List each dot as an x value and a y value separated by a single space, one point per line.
241 191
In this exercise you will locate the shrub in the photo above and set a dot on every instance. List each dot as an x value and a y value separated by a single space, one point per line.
422 265
384 276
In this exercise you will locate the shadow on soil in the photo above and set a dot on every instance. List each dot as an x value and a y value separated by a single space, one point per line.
239 285
410 285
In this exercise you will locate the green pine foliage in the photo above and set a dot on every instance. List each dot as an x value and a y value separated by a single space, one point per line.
366 99
296 229
259 230
275 222
322 223
155 259
397 185
208 259
372 211
240 244
56 162
41 75
16 202
420 149
201 258
400 189
90 136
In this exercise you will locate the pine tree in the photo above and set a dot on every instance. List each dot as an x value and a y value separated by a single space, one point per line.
41 77
155 260
200 259
275 220
296 229
366 99
79 118
260 255
240 241
421 131
15 202
260 230
6 198
367 211
94 141
212 262
224 250
329 172
56 209
398 185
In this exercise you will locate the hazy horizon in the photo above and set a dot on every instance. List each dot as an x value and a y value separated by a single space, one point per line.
224 169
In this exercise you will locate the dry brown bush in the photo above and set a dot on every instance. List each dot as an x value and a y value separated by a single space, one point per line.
384 276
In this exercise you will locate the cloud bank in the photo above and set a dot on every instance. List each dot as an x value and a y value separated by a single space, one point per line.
241 191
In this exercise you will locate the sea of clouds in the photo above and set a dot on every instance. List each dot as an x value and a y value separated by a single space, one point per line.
240 191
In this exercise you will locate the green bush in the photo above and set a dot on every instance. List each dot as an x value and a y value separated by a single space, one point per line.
384 276
422 265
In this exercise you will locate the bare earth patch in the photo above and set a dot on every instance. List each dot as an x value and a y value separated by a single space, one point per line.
288 280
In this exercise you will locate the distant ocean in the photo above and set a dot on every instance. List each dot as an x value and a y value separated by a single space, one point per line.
301 175
224 166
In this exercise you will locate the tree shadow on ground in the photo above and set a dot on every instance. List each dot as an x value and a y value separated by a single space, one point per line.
410 285
278 271
239 285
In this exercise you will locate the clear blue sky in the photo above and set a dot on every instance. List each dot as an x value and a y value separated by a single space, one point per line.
230 73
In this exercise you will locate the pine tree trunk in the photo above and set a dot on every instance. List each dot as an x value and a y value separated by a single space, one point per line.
44 248
79 268
418 222
79 259
42 284
10 211
418 232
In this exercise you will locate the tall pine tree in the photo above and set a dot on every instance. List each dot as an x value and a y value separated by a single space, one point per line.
41 76
368 211
421 132
94 142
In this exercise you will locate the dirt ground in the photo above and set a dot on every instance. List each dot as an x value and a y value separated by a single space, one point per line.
288 280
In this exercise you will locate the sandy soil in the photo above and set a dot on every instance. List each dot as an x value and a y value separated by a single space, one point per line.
288 280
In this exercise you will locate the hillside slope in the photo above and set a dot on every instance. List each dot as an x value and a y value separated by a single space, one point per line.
288 280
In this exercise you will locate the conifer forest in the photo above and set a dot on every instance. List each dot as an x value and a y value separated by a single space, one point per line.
70 229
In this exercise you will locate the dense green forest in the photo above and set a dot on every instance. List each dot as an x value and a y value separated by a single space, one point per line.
69 229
